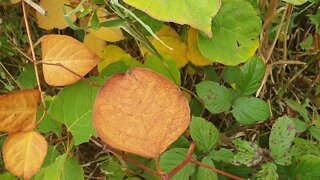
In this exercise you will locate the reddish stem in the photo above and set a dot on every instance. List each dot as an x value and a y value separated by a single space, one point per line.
216 170
184 162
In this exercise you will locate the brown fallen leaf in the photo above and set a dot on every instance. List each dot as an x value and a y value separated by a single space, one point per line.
24 152
18 110
141 112
69 52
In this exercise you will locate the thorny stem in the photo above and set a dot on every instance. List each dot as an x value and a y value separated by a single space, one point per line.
34 60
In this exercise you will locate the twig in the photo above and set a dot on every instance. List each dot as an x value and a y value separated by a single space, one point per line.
34 60
216 170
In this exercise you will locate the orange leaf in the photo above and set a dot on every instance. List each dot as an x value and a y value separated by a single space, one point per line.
18 110
24 152
69 52
140 112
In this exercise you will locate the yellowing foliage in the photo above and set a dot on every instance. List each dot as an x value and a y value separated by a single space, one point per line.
68 52
106 33
193 54
141 112
24 152
18 110
55 18
94 43
110 54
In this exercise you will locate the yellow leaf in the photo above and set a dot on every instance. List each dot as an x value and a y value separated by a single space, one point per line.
55 18
106 33
187 95
24 152
15 1
141 112
70 53
94 43
18 110
178 52
111 54
168 31
193 53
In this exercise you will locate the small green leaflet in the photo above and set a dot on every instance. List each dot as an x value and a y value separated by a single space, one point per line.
306 167
248 153
171 158
296 2
205 173
73 107
216 98
250 110
204 133
222 155
268 172
236 30
280 140
251 75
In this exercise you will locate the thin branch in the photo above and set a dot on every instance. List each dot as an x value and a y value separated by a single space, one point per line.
216 170
184 162
34 60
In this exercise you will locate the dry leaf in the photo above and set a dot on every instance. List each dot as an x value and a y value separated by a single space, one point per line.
55 17
140 112
94 43
193 53
111 54
69 52
18 110
24 152
106 33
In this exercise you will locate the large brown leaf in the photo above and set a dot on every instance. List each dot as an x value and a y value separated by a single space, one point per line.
18 110
140 112
69 52
24 152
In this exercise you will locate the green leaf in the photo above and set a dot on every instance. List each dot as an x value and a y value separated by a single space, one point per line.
7 176
52 154
280 140
248 153
307 43
181 142
268 172
94 21
231 74
236 30
204 133
196 107
148 175
252 74
224 155
315 132
113 169
217 98
296 2
250 110
299 108
48 124
195 13
73 107
114 68
205 173
300 125
306 167
27 78
64 169
171 71
55 170
211 74
171 158
72 170
155 25
307 146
